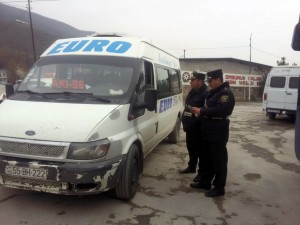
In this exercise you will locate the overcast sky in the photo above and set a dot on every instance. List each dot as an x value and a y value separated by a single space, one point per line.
204 28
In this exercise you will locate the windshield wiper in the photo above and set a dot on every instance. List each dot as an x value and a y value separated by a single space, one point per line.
80 95
99 98
35 93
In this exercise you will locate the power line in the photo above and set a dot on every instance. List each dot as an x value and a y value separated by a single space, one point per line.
13 21
11 3
275 56
8 2
243 46
267 53
208 48
231 47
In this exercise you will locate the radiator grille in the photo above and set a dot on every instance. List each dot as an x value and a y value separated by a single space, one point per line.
31 149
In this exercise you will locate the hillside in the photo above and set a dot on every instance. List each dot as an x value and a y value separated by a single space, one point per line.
15 37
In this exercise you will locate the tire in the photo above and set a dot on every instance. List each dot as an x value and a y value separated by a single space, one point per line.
271 116
127 186
174 135
292 118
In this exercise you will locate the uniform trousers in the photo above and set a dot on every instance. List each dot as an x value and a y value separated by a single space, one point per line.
214 159
193 144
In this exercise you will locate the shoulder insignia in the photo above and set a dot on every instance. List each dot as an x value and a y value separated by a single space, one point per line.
224 98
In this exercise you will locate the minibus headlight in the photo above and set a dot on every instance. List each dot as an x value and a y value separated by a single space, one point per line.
88 151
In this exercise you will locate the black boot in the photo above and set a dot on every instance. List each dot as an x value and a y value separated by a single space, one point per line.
197 178
199 185
215 192
188 170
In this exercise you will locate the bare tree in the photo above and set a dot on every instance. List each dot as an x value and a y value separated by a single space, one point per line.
282 62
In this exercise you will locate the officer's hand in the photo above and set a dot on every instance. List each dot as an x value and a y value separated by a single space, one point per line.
195 110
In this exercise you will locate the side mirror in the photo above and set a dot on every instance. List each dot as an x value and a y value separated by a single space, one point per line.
9 89
151 99
138 108
296 37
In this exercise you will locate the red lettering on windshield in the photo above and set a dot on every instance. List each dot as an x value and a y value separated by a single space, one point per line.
68 84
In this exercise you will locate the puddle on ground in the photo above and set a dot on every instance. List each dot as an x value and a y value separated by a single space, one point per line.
252 176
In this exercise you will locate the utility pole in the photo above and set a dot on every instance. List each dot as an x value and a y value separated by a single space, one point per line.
249 78
31 28
250 53
184 53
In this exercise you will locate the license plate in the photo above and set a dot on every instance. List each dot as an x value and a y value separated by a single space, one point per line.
26 172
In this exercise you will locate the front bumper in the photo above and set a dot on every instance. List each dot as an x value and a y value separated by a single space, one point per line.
64 178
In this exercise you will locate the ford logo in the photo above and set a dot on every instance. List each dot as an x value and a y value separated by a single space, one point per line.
30 133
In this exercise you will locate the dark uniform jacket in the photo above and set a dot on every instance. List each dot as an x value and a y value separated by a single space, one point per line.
214 115
195 98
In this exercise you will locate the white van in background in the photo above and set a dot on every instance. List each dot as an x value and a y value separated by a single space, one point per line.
281 91
87 114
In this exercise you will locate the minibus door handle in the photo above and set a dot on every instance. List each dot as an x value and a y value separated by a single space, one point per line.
156 124
288 93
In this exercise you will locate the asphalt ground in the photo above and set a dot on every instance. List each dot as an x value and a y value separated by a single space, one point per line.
262 186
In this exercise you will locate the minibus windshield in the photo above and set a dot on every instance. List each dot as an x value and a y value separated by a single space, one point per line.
100 76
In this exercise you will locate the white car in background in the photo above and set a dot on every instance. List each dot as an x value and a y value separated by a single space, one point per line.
2 93
2 97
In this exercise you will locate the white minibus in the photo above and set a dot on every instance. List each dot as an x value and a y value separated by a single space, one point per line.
87 114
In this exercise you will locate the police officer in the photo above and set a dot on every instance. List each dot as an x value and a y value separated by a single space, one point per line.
191 125
215 133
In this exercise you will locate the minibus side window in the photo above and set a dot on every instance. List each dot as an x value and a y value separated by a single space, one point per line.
163 83
294 82
148 67
277 82
175 81
146 80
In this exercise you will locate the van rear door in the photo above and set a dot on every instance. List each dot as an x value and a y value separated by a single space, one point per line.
277 92
292 93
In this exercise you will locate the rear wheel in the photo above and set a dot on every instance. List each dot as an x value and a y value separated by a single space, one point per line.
128 183
174 135
272 116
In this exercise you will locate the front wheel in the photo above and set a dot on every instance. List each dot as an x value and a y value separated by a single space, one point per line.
128 183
